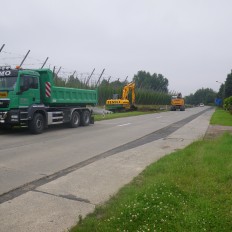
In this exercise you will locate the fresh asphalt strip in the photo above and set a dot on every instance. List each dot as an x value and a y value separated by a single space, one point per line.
159 134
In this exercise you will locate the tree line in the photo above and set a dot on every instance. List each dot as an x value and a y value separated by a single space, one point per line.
203 95
151 89
225 89
225 93
209 96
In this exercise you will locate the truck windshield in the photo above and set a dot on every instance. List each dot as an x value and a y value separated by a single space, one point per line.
8 83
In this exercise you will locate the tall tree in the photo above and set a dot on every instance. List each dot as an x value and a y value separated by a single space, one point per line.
144 80
228 86
221 92
73 82
104 83
206 96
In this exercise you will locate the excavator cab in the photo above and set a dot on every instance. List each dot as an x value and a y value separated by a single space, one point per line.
115 96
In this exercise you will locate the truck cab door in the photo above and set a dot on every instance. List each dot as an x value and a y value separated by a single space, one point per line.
29 93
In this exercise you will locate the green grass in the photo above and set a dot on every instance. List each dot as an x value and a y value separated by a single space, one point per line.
99 117
221 117
189 190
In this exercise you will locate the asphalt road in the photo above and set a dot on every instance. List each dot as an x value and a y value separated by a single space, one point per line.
47 181
25 158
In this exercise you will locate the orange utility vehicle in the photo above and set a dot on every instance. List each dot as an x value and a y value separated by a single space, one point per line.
177 103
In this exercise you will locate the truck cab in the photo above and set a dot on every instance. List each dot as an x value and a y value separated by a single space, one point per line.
19 89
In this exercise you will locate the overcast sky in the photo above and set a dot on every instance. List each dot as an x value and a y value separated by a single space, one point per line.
188 41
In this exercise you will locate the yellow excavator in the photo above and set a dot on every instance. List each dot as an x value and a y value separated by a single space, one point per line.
117 104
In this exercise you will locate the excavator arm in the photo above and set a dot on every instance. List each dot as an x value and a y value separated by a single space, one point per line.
125 92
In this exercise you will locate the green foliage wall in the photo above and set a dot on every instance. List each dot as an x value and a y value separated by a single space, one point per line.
143 97
206 96
154 91
156 82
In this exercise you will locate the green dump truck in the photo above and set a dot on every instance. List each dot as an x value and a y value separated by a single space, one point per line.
30 98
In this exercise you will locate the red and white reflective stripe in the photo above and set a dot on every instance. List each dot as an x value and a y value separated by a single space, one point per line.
48 89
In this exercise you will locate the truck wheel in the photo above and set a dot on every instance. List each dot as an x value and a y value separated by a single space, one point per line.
5 126
75 120
85 118
173 108
182 108
36 125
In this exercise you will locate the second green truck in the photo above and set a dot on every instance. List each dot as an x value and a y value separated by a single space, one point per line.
30 98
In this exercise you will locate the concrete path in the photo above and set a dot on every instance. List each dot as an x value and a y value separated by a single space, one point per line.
217 130
57 205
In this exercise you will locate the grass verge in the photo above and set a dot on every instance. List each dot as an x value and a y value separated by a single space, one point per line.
100 117
189 190
221 117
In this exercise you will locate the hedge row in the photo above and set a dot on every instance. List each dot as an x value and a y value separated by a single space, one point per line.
142 97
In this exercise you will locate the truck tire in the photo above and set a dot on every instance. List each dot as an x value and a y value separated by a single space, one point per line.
75 120
5 127
36 125
182 108
173 108
85 118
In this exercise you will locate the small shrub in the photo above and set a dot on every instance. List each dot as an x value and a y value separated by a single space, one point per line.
228 104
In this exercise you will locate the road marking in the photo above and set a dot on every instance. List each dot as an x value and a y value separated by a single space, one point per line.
126 124
107 123
159 117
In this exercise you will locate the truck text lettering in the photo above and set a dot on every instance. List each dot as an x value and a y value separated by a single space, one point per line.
5 73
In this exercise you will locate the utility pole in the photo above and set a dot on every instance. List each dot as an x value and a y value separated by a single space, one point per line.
100 77
2 47
24 59
54 75
109 79
73 73
87 82
44 63
58 71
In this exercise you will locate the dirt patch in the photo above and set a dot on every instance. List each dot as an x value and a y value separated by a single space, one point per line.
214 131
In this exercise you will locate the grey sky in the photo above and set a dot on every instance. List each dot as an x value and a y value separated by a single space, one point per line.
188 41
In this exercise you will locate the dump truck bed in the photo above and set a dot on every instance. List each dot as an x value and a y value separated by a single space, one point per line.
72 96
56 96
